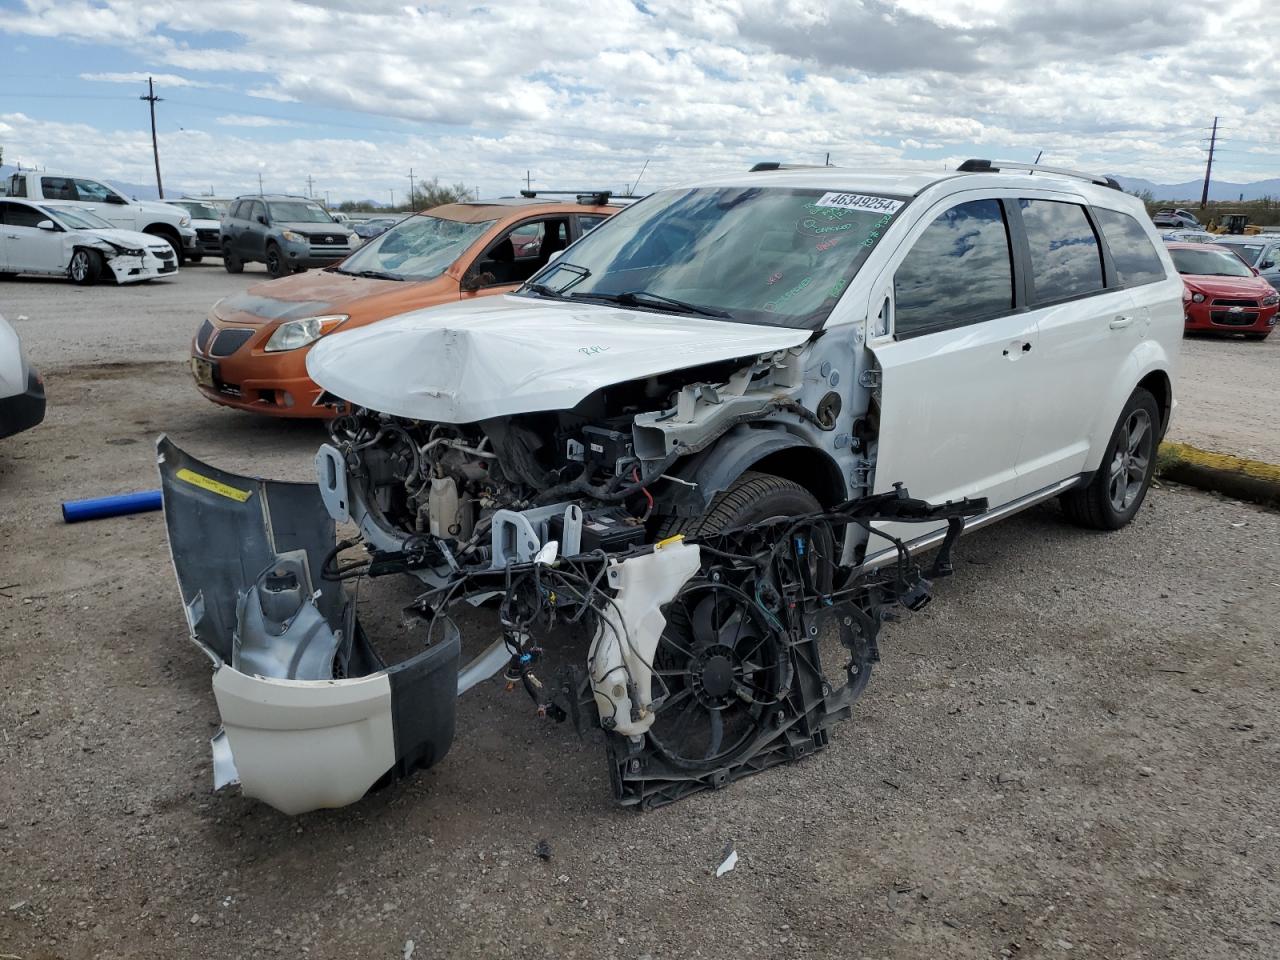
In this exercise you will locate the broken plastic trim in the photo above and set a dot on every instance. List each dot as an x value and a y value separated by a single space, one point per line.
312 716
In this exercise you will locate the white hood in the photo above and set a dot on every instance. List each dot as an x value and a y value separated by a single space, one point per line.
128 238
499 356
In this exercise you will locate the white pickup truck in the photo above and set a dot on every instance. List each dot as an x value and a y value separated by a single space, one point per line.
146 216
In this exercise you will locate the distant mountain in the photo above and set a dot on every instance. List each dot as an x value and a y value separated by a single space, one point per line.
1218 189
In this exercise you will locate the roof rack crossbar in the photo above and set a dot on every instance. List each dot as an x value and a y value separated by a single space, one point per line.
996 166
766 165
600 196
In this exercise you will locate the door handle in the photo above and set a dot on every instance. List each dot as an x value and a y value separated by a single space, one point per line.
1120 322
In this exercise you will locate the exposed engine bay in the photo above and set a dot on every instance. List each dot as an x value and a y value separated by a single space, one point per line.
437 493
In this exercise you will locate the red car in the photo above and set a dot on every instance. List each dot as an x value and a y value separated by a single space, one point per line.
1222 294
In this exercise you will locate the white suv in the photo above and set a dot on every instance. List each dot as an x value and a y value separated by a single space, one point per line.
715 359
983 332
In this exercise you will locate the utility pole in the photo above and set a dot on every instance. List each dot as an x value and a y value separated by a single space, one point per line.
309 193
413 202
393 197
528 180
155 149
259 183
1208 167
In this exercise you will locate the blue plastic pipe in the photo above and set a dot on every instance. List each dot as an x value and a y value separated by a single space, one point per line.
73 511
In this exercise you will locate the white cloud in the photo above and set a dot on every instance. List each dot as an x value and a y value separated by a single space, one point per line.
579 93
251 120
138 77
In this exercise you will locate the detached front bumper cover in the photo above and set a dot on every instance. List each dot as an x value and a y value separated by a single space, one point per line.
312 716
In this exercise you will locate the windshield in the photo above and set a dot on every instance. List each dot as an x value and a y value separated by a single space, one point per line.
201 211
1209 263
419 248
78 219
776 256
298 211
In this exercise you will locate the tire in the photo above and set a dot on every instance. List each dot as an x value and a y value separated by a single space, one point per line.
751 498
85 267
194 257
231 262
1257 336
1117 490
6 275
276 265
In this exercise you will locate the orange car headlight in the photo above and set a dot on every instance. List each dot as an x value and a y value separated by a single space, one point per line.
299 333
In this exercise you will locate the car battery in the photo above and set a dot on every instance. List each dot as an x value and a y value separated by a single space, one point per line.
607 449
610 529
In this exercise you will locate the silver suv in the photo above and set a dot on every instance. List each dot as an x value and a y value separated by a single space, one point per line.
286 233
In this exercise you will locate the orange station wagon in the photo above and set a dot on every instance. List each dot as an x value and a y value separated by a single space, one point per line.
251 351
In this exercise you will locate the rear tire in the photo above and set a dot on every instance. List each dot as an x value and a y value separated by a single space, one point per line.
231 262
194 257
276 265
1117 490
85 267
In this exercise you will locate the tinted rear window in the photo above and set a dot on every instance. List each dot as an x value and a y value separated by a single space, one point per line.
1135 259
1065 258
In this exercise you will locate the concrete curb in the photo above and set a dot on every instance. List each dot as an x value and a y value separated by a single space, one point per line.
1252 480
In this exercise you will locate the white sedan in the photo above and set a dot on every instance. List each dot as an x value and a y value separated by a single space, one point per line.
59 240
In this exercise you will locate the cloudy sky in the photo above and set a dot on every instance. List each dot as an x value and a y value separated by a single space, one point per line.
355 92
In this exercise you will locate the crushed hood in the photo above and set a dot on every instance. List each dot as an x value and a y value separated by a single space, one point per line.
128 238
500 356
1248 287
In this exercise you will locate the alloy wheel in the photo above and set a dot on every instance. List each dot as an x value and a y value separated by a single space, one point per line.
79 267
1130 460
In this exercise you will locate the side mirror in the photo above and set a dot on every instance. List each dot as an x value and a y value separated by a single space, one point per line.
474 279
46 225
1266 264
262 220
554 254
115 198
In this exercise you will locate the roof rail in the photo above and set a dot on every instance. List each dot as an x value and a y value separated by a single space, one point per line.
592 197
766 165
996 166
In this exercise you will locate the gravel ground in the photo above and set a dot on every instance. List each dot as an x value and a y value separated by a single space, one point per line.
1070 753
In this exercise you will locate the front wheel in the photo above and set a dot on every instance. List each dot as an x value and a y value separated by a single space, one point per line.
1257 336
276 265
231 262
85 267
1117 490
194 257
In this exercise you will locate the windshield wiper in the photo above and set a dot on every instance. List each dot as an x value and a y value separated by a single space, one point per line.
542 290
643 298
373 274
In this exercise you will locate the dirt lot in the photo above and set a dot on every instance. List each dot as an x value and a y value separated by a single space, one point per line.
1072 752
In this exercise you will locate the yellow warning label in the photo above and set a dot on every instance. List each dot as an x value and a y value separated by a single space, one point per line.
214 486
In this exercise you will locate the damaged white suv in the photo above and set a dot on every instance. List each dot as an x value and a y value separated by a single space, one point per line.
760 363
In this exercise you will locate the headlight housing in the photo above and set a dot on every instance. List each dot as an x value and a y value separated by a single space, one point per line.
1271 301
184 221
299 333
122 250
354 239
293 236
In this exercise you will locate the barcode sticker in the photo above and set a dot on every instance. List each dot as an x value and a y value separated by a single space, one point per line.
859 201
